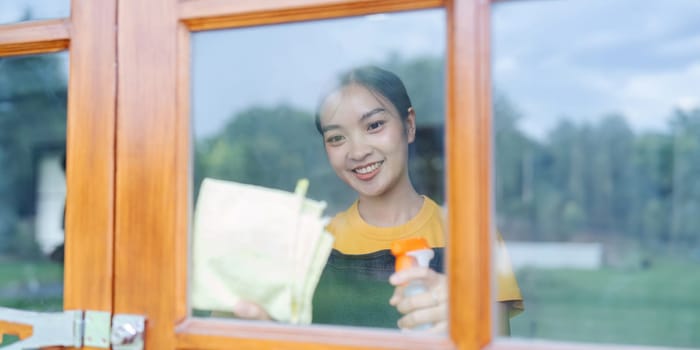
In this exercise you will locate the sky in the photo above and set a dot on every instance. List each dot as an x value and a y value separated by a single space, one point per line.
13 10
294 63
582 59
586 59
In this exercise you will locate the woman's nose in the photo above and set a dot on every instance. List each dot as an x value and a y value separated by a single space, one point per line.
359 150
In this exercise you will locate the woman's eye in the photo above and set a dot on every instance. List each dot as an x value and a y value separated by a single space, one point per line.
334 139
375 125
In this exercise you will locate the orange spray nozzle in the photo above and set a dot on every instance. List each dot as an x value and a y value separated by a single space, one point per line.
401 247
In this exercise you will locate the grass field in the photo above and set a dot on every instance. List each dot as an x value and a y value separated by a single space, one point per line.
659 305
30 285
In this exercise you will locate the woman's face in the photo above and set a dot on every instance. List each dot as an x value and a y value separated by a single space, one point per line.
366 140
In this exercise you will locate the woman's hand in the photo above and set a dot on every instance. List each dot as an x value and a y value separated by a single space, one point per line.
429 307
249 310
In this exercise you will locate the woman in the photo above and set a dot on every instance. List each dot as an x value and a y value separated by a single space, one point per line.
367 124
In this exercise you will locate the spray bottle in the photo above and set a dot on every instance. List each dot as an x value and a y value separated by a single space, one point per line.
412 252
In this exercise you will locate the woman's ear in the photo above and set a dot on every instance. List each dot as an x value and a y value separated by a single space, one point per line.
411 125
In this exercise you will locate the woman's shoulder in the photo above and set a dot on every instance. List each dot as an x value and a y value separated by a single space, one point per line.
340 220
433 204
437 211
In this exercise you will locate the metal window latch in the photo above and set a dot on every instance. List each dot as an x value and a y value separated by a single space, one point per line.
127 332
76 328
48 329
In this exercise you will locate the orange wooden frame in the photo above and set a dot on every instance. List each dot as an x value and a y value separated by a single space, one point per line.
89 34
467 140
90 164
153 157
129 165
34 37
218 14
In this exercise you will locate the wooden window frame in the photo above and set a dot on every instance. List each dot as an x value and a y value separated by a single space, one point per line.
90 39
129 179
468 177
467 150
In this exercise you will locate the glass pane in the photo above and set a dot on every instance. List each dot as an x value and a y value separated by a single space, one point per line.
26 10
597 139
32 184
255 95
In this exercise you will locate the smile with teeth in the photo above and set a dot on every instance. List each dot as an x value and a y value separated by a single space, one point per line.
367 169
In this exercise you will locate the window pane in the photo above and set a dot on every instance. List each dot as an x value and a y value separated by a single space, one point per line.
26 10
255 93
32 184
597 141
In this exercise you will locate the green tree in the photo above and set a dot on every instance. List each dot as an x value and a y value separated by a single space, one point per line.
685 221
612 177
515 167
424 78
271 147
652 162
32 114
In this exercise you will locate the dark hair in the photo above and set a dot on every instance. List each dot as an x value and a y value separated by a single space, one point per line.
378 81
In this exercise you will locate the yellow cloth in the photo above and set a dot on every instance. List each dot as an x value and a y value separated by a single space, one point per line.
355 236
257 244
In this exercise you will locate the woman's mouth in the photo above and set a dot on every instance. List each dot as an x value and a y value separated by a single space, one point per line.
367 172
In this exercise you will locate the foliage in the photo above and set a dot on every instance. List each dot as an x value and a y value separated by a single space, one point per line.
32 115
273 146
598 179
582 179
424 78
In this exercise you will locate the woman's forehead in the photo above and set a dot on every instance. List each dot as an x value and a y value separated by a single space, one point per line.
352 101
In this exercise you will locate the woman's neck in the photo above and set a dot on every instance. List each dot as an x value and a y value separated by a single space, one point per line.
393 208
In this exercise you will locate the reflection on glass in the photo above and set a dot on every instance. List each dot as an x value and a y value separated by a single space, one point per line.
597 139
256 92
32 185
27 10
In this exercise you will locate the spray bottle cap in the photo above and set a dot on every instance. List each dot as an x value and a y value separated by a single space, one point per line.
401 248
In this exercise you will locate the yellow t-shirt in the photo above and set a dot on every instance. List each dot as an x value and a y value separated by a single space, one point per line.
354 236
507 289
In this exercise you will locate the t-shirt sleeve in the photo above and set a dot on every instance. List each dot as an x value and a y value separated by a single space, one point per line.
508 290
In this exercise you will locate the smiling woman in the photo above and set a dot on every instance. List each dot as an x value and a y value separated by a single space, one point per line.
366 136
367 124
370 129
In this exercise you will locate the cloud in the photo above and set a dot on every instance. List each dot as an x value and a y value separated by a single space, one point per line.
292 63
688 46
591 58
505 65
650 97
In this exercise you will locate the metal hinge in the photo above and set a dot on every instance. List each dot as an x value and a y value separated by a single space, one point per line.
76 328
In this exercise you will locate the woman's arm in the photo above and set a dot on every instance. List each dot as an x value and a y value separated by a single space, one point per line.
246 310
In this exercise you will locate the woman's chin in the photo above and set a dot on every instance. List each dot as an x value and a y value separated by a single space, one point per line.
369 191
